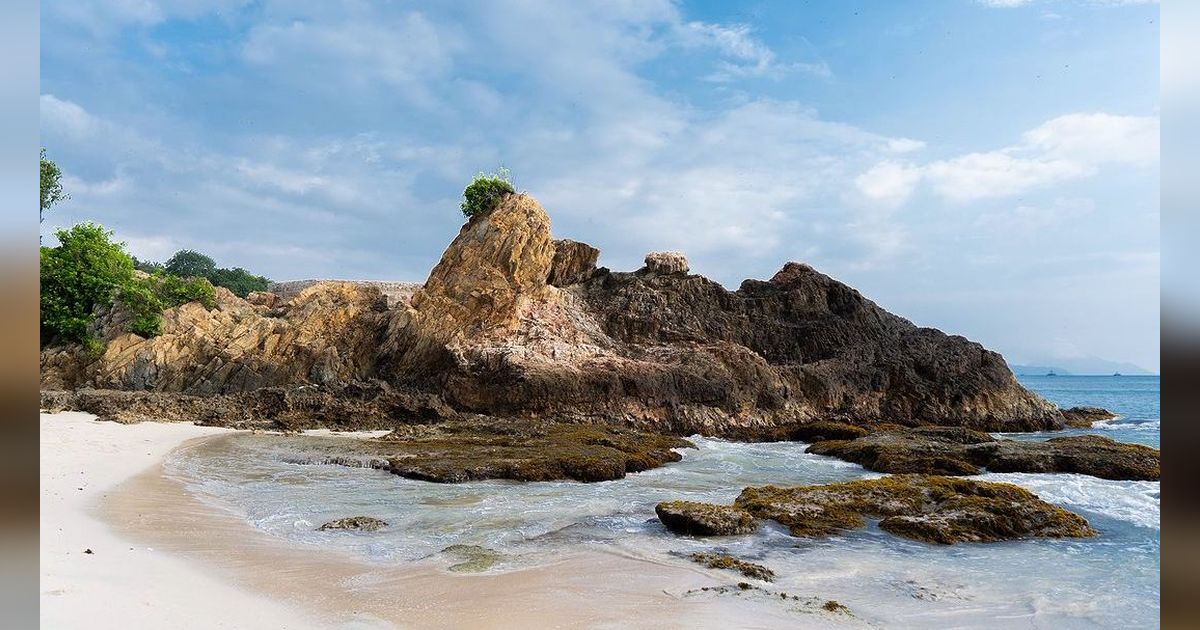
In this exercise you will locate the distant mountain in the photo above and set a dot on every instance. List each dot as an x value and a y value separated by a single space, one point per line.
1080 366
1037 370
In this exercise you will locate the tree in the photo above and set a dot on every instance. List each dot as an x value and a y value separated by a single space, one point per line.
190 264
85 270
238 280
52 190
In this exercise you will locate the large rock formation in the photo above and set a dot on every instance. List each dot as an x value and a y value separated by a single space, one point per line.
513 323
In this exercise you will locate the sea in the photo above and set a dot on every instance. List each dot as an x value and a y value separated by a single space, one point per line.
1111 581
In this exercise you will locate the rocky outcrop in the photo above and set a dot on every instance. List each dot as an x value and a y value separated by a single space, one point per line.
691 518
959 451
355 523
573 262
666 263
1085 417
513 323
328 333
341 406
943 510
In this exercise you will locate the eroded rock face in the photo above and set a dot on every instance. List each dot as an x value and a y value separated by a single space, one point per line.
513 323
704 519
959 451
327 333
573 263
943 510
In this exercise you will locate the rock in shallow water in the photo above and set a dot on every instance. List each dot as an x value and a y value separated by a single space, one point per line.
724 561
704 519
943 510
959 451
355 523
934 509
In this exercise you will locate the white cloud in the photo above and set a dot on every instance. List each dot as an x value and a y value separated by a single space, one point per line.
1097 138
888 184
66 117
1065 148
745 55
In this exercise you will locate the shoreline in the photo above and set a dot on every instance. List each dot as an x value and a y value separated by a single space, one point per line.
176 556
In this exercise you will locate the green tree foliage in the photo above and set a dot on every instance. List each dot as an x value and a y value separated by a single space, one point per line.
86 269
238 280
485 191
148 266
147 298
52 190
190 264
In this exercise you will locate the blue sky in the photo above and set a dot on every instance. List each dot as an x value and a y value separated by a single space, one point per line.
985 167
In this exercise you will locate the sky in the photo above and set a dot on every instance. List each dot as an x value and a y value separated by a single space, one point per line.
986 167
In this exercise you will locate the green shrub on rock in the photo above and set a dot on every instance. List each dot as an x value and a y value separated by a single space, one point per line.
85 270
485 191
147 298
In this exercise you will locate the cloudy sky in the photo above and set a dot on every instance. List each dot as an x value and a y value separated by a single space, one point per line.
986 167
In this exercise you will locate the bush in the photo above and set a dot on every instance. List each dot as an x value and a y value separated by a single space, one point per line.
484 192
146 299
238 280
86 269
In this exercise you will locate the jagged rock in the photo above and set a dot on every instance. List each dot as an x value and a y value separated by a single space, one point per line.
666 263
657 349
806 432
730 563
959 451
573 263
328 332
943 510
1084 417
704 519
355 523
349 406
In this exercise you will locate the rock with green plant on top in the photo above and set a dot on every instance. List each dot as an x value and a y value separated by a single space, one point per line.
692 518
484 192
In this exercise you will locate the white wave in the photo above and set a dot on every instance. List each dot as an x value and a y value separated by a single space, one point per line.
1134 502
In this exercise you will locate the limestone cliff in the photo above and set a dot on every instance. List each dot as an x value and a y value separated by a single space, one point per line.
514 323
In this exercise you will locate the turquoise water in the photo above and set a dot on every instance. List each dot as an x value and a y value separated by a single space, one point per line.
1109 581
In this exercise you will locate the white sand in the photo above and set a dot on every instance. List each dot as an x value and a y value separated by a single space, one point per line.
123 585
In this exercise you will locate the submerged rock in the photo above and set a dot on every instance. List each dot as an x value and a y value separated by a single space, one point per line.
958 451
943 510
355 523
471 558
704 519
727 562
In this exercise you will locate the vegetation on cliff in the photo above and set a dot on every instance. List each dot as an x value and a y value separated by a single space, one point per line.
485 191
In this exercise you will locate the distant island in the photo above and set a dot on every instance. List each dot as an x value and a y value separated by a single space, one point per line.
1088 366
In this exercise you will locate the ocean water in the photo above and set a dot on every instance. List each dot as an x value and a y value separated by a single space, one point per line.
1109 581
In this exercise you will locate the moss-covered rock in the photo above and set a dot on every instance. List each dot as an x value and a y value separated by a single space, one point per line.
730 563
355 523
704 519
934 509
959 451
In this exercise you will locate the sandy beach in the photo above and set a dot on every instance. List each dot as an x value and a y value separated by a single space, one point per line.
162 558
